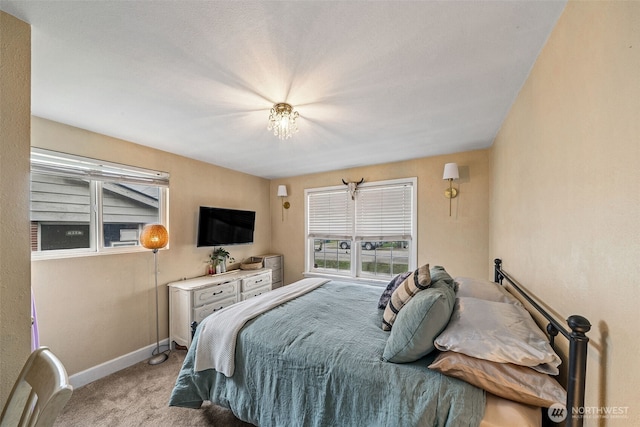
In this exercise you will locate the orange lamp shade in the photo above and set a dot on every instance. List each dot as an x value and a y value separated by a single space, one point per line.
154 236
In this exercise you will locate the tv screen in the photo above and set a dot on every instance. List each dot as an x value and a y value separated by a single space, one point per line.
220 226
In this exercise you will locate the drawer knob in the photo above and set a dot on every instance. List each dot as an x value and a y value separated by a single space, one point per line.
217 293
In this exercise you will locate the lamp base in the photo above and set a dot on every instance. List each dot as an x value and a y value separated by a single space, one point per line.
158 359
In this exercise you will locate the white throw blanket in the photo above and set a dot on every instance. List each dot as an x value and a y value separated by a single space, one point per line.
216 346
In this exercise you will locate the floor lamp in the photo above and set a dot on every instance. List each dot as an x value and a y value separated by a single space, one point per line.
154 237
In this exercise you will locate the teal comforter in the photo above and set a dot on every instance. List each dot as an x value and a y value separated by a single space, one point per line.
316 361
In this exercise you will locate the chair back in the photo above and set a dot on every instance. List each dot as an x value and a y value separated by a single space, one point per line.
39 393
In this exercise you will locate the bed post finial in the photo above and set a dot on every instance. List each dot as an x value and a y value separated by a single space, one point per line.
497 277
577 364
579 325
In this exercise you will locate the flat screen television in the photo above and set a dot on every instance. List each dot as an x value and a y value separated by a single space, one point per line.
220 226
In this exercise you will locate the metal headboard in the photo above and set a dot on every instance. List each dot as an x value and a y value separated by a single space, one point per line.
578 341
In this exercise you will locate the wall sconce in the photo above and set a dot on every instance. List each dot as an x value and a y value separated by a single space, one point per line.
282 192
450 173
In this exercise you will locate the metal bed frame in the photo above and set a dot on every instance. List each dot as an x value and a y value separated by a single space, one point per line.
578 342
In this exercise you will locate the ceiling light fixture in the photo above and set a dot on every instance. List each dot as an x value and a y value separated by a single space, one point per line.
282 120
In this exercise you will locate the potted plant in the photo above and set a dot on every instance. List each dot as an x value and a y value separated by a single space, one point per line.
219 257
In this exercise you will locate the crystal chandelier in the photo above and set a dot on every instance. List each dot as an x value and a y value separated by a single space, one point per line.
282 121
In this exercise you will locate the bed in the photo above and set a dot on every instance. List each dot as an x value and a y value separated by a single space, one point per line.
322 358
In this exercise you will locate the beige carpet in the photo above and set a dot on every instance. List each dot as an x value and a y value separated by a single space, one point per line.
139 396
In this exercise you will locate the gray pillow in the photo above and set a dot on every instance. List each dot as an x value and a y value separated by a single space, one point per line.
439 273
419 323
499 332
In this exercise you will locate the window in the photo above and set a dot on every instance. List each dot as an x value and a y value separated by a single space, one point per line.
81 205
371 235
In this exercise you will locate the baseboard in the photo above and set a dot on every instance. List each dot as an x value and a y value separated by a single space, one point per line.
107 368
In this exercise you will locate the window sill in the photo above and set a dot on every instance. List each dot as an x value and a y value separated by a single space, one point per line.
358 280
46 255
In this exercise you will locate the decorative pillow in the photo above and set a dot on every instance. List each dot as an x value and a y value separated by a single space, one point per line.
438 273
415 282
392 286
484 289
498 332
512 382
419 323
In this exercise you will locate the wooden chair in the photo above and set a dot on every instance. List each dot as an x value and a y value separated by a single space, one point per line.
39 394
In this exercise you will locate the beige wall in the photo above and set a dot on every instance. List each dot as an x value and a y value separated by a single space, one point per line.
565 189
15 110
92 309
459 242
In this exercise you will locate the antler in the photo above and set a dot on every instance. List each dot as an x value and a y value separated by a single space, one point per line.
356 183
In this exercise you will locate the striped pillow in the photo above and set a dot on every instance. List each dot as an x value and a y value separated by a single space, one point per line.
415 282
392 286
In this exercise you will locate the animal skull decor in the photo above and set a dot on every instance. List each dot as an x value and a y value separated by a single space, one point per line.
352 187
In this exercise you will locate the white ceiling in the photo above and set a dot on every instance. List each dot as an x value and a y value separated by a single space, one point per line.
374 82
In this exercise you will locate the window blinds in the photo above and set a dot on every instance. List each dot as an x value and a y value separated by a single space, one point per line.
330 214
61 164
384 212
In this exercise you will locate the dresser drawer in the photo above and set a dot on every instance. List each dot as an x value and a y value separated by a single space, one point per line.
273 263
201 312
215 293
255 292
256 281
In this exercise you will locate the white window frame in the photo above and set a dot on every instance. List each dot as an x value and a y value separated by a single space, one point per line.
356 273
96 172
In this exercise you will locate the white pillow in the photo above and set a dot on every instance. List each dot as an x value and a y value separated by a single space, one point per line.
484 289
498 332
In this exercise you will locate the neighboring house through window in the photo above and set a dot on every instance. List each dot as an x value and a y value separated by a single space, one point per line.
81 205
370 235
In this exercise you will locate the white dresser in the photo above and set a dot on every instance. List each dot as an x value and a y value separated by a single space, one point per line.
194 299
276 263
